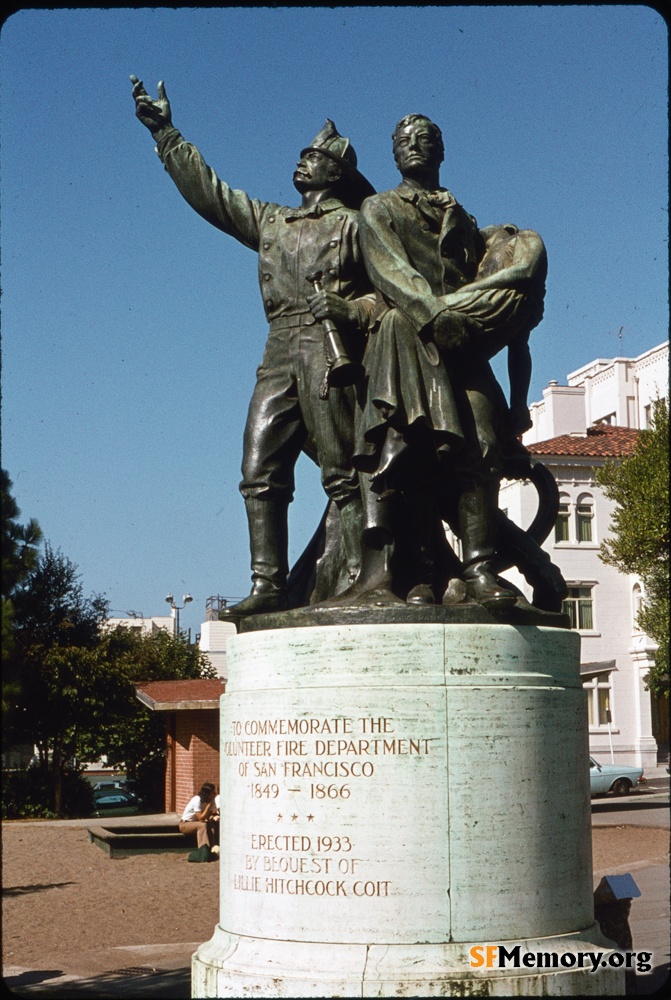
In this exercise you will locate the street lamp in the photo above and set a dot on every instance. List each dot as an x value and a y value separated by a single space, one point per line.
176 608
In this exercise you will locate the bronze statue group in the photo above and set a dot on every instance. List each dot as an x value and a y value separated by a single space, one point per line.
384 312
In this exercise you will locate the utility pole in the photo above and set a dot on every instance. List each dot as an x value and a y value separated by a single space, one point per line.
176 608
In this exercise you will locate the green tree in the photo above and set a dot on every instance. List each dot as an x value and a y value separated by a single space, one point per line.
19 545
128 734
639 485
75 694
62 682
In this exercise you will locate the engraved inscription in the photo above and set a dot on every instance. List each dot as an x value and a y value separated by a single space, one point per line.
323 762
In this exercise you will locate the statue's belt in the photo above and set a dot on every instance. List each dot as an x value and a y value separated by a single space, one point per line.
292 322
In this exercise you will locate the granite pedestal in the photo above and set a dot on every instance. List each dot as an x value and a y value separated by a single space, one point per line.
398 798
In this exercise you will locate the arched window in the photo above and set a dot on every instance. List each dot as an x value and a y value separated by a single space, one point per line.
562 522
584 518
637 604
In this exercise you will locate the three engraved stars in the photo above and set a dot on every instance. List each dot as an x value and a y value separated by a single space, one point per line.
294 817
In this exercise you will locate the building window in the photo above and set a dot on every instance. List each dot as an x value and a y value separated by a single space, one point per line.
637 605
650 410
562 524
598 698
579 607
584 519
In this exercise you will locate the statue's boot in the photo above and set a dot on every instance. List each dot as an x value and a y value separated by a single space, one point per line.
268 539
352 523
373 583
429 534
477 529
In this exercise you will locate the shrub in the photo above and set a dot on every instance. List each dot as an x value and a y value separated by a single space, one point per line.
29 794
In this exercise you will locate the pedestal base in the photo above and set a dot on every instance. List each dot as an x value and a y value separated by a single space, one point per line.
233 966
406 812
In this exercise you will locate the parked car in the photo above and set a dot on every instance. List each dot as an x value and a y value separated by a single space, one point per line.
614 778
118 804
110 787
114 788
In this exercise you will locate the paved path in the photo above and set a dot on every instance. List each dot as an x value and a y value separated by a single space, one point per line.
637 809
649 923
144 980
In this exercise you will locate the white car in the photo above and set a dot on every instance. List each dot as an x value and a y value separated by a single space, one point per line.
615 778
117 804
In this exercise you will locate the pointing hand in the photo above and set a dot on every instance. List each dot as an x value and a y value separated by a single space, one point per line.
154 114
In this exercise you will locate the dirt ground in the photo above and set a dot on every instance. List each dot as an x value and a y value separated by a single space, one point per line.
66 903
64 899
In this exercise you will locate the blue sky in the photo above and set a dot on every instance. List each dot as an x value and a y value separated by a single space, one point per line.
132 329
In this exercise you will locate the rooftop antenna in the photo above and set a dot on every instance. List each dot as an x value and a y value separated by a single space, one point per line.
619 337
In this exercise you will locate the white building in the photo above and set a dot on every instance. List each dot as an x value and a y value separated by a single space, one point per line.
619 392
578 427
211 640
215 634
143 626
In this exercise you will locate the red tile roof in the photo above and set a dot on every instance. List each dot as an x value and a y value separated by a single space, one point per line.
601 441
203 692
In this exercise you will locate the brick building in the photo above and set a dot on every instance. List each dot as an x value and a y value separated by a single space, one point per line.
191 710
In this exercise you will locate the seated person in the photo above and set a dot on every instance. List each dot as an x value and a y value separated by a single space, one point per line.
200 816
